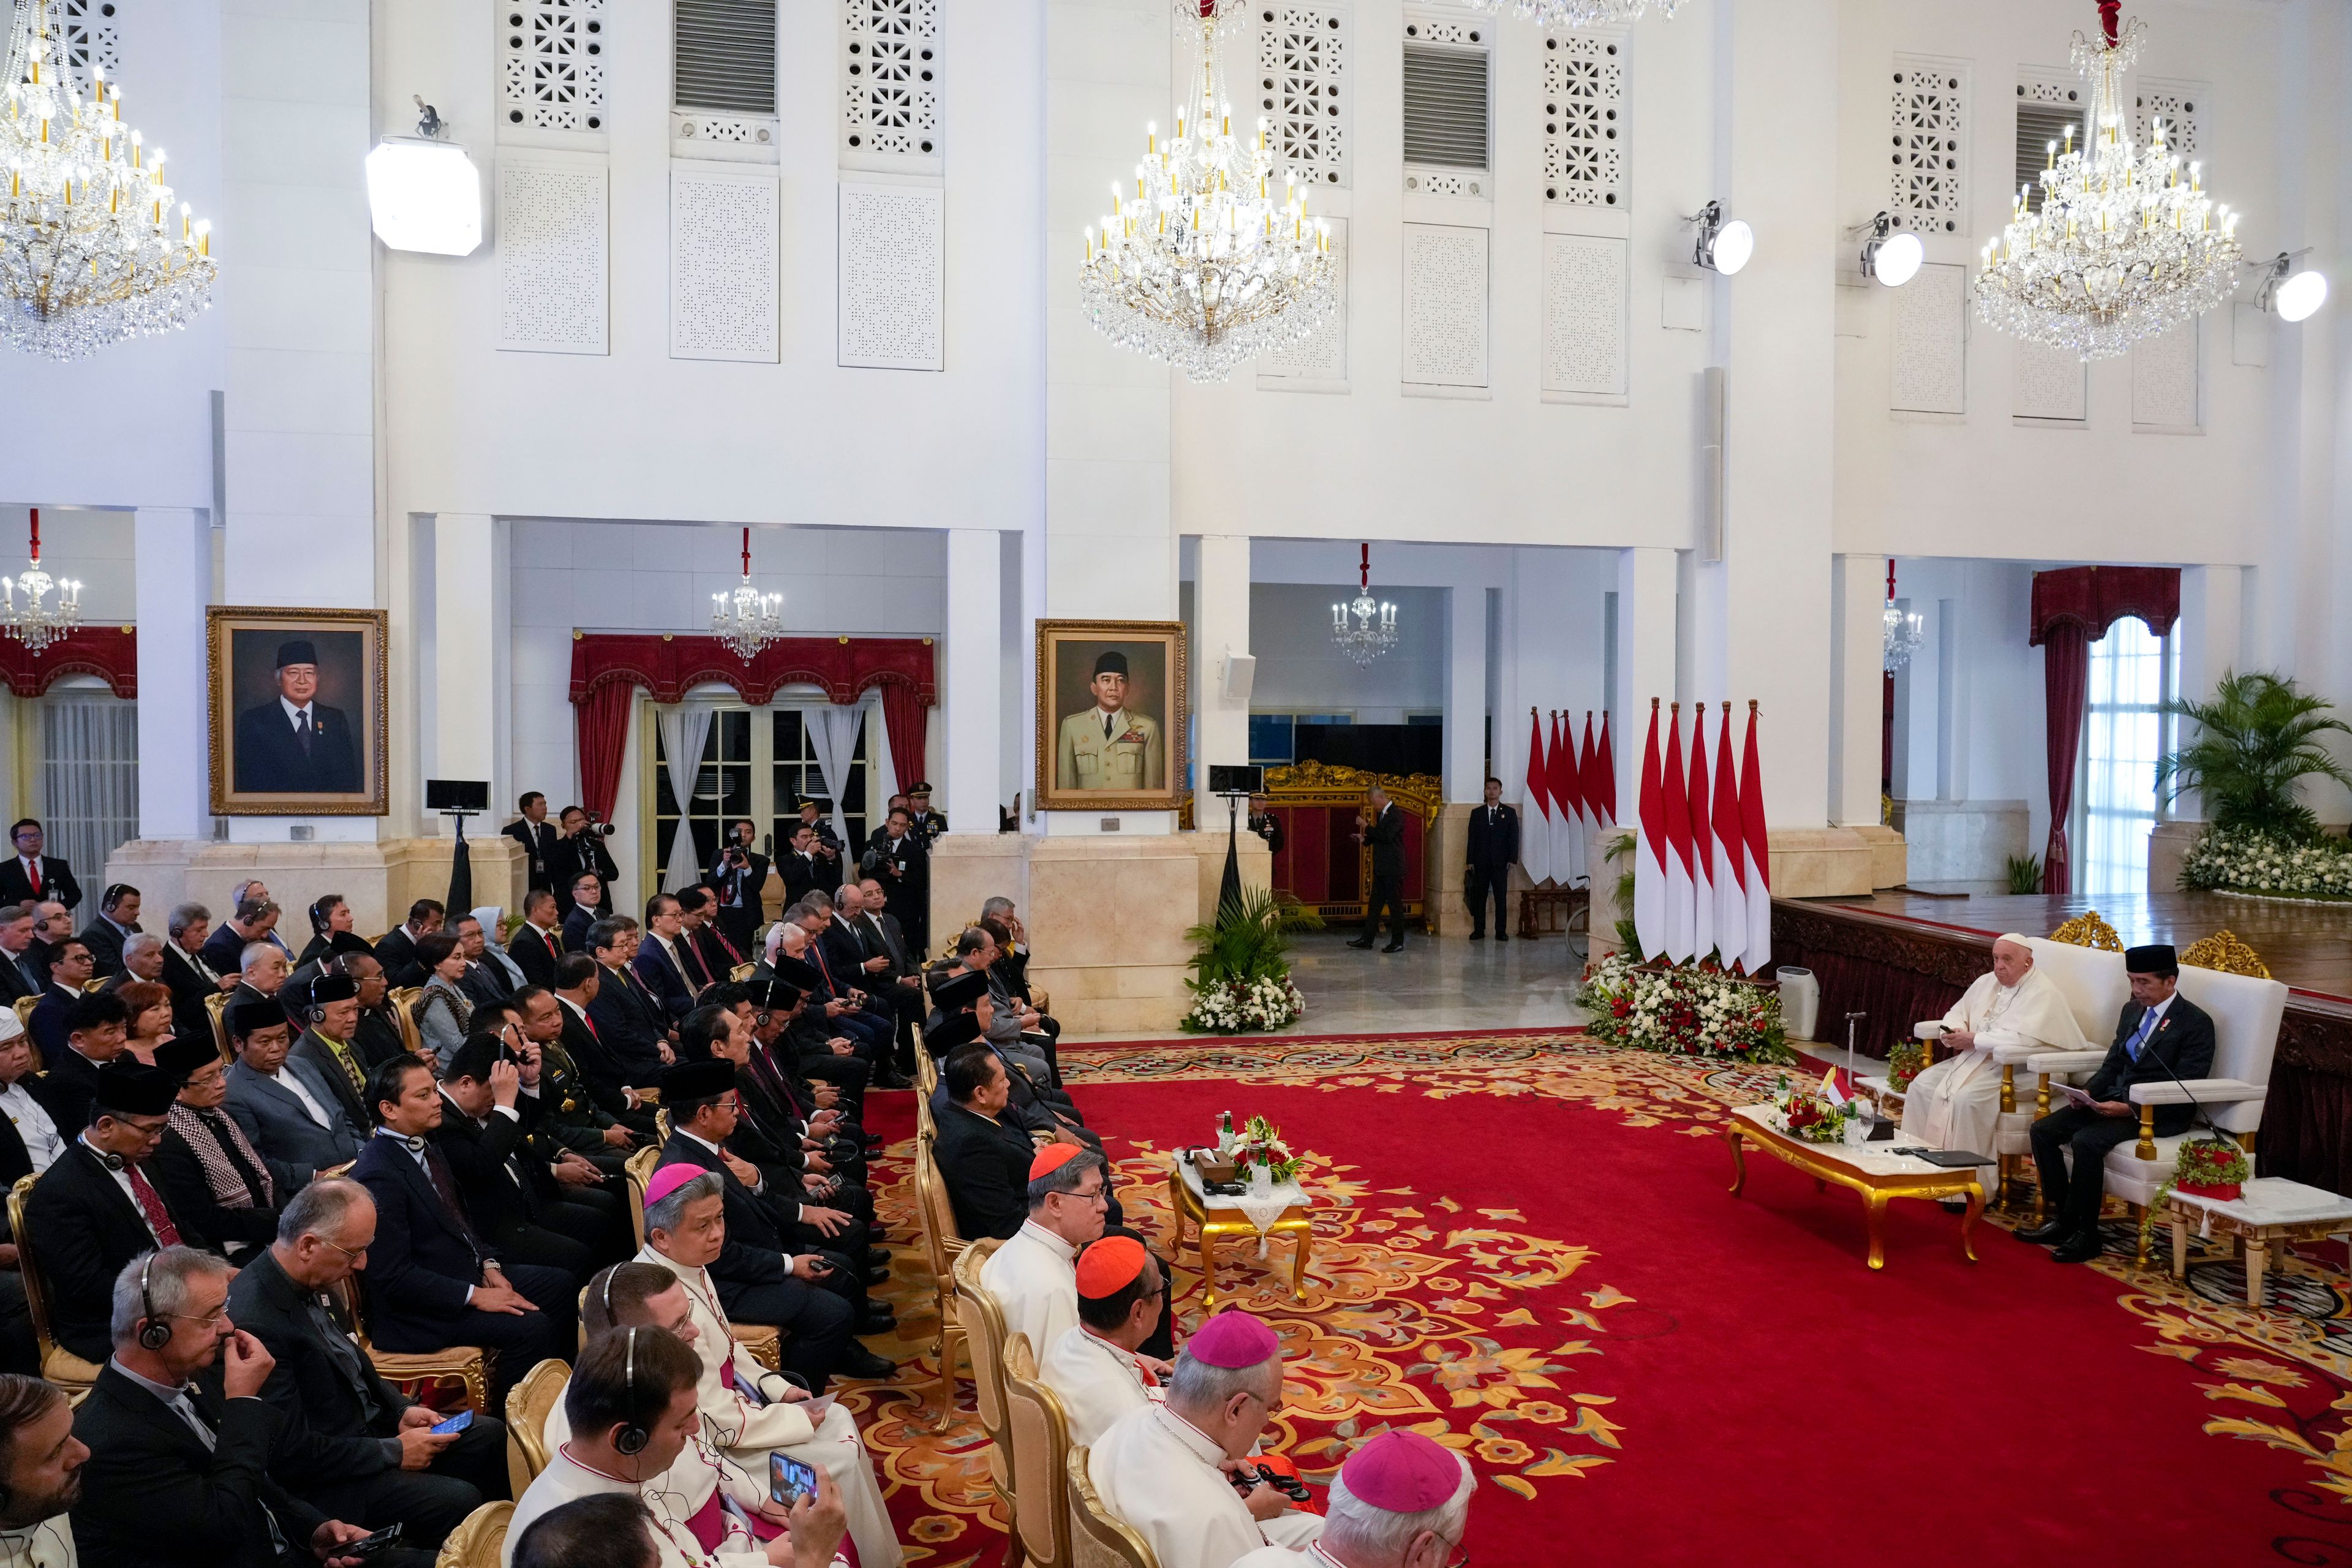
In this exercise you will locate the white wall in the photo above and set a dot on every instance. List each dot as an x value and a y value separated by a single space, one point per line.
1300 671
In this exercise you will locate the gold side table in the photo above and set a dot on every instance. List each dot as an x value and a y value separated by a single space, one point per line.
2268 1213
1215 1223
1868 1168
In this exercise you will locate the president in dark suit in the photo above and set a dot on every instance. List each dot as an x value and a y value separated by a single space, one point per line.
1493 846
2159 1030
1385 834
294 744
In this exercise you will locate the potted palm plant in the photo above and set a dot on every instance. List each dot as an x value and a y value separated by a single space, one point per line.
2255 737
1241 967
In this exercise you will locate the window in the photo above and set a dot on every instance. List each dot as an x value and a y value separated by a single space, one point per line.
796 775
721 793
1272 738
757 765
2133 672
90 782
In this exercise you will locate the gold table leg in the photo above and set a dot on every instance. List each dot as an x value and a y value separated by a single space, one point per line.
1877 1204
1304 1236
1739 1161
2257 1256
1969 1220
1208 1266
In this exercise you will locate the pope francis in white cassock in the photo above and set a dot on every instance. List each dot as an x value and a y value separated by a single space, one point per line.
1956 1103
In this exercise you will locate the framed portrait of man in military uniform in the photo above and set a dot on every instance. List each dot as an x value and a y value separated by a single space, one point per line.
298 711
1110 715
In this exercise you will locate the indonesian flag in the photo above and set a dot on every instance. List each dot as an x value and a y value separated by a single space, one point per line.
1568 808
1588 774
1760 853
1730 855
1604 793
1535 809
1650 854
1673 781
1702 840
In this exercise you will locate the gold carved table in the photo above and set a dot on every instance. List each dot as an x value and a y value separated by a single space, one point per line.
1866 1168
2269 1213
1216 1218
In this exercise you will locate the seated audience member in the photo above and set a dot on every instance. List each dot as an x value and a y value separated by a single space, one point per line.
1096 1366
855 1012
20 970
983 1160
819 1051
205 1167
1401 1500
185 969
629 1022
331 935
68 967
352 1445
142 959
117 921
501 975
1008 971
707 941
38 1124
376 1031
961 1018
687 948
254 919
149 1006
629 1423
327 1019
660 964
571 1117
445 1013
491 1104
286 1108
748 1412
261 972
40 1473
1160 1467
605 1530
759 1279
397 950
1956 1101
587 892
2160 1030
902 981
181 1440
96 1208
1010 1027
52 927
433 1280
1033 1276
782 1067
578 979
94 1033
537 945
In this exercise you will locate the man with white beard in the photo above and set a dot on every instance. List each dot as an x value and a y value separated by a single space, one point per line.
1956 1103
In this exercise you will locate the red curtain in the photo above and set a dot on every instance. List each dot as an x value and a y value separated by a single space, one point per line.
2065 674
110 653
603 723
906 715
2072 609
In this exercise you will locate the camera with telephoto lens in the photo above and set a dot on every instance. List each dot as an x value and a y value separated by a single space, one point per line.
598 826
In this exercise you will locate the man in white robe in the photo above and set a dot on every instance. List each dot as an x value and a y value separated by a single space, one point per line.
748 1411
1033 1276
1165 1469
1401 1500
1095 1367
1956 1103
42 1478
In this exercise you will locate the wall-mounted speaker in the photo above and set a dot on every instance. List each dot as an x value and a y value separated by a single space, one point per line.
1241 671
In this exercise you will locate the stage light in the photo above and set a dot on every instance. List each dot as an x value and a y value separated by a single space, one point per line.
2290 295
425 193
1723 246
1889 255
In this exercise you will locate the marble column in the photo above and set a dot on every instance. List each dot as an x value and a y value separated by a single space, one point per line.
1222 619
1857 643
1646 660
973 680
1465 694
172 571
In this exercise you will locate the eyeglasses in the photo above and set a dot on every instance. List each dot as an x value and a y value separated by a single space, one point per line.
1097 1195
354 1253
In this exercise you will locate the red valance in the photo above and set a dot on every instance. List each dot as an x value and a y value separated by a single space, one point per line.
669 666
110 653
2096 597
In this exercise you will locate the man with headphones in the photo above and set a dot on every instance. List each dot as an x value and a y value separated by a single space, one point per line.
629 1415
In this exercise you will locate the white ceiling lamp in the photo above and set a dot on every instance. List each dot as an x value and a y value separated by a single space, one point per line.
1365 628
424 193
747 620
1565 16
1724 245
1891 254
2290 295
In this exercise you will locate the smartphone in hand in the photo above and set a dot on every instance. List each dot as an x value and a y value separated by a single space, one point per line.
789 1480
458 1423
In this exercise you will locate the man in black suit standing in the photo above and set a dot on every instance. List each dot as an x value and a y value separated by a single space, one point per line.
1386 835
294 744
1494 847
182 1442
352 1445
538 838
117 919
2159 1030
29 877
737 878
804 870
580 851
901 858
927 824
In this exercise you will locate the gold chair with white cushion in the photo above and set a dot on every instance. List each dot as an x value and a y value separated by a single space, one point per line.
480 1539
1041 1448
528 1403
1099 1538
983 1331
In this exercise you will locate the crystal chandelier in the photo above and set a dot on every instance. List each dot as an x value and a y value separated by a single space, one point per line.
1565 14
747 620
26 613
1905 628
1201 267
2125 245
1366 629
91 251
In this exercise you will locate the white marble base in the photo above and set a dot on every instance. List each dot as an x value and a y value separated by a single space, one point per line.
1962 844
379 879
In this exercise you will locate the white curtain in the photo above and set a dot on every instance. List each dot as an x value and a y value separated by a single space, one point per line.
89 782
683 731
833 736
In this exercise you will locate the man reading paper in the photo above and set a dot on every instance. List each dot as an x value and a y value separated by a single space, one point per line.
1954 1103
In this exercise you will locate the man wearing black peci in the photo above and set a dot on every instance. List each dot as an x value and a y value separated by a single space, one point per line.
1493 845
293 745
1385 834
2159 1030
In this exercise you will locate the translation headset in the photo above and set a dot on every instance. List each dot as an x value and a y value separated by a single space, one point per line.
633 1438
154 1332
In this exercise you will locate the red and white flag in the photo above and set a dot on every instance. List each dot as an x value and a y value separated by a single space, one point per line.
1730 855
1568 809
1760 853
1588 774
1604 795
1535 809
1702 823
1673 780
1650 854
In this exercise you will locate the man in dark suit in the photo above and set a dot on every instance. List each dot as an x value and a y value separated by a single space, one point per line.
328 1018
182 1442
286 1108
706 943
801 869
67 970
95 1209
254 920
580 852
658 963
352 1445
737 878
397 950
116 917
482 1134
578 983
433 1278
294 744
95 1028
538 838
1494 847
629 1023
30 876
537 945
981 1157
901 859
20 970
376 1033
189 978
1385 834
570 1116
2159 1030
205 1167
582 916
927 824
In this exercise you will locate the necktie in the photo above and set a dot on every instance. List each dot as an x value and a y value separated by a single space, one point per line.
343 1059
185 1408
151 1204
553 951
1107 724
231 1139
33 869
302 731
446 1185
2147 1028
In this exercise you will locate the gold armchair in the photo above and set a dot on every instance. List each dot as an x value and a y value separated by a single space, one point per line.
404 1000
24 1005
59 1365
941 1247
983 1331
1041 1448
217 1014
480 1539
468 1367
528 1403
1098 1538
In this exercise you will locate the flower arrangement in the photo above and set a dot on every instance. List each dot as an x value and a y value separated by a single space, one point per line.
1808 1116
1699 1010
2206 1168
1241 976
2249 860
1906 1061
1260 1143
1241 1006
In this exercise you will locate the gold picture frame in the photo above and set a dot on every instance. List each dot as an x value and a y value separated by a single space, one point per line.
260 767
1081 770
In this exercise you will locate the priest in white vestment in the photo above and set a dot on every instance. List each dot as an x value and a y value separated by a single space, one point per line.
1095 1367
1956 1103
1033 1276
748 1411
1401 1500
1163 1468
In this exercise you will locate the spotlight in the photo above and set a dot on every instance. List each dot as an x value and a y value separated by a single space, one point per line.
2290 294
1722 247
1889 255
425 193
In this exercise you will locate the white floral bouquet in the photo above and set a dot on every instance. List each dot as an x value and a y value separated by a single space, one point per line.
2243 861
1244 1006
1699 1010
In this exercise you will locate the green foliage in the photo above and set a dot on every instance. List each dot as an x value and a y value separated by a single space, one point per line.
1250 939
2024 874
2257 736
1622 849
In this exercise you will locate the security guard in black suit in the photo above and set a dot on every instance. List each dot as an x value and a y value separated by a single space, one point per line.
1385 834
538 838
1493 845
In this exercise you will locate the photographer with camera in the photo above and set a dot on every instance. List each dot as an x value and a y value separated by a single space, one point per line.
580 852
901 859
739 877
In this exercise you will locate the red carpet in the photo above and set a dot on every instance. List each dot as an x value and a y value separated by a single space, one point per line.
1532 1254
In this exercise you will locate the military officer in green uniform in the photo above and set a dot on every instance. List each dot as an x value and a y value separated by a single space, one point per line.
1106 747
568 1118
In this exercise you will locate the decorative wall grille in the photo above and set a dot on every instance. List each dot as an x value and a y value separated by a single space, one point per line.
1584 314
1930 134
1584 119
551 62
725 55
1302 65
2049 383
2164 372
552 280
2181 106
89 782
91 40
1445 97
724 244
892 306
1322 354
890 91
1445 305
1930 328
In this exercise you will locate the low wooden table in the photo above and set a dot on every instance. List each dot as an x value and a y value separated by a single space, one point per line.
1867 1168
1216 1218
2271 1212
